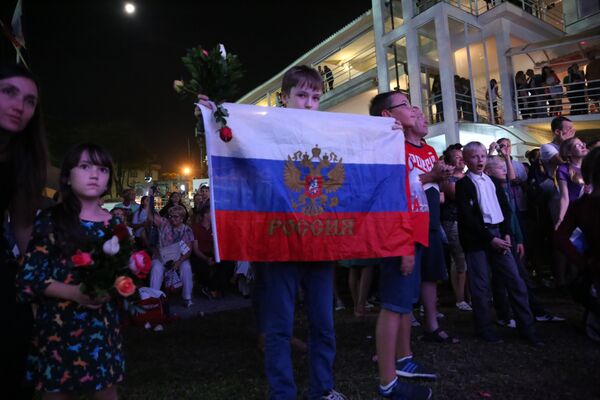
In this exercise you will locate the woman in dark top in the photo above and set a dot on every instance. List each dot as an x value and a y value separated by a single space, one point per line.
174 200
23 159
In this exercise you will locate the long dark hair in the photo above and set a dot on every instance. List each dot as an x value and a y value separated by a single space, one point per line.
66 213
27 153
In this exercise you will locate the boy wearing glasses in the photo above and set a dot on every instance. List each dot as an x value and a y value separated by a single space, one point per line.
400 278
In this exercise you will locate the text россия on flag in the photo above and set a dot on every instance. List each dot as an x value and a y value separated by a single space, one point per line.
297 185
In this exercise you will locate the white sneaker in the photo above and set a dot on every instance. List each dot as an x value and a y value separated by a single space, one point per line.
413 321
511 323
158 328
339 305
463 306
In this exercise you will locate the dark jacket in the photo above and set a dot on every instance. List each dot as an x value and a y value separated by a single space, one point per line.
472 233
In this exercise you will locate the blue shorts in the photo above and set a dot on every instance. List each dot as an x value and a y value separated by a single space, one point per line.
398 292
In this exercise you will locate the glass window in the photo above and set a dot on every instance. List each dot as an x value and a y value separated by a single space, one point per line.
463 87
393 15
262 102
398 65
588 7
431 91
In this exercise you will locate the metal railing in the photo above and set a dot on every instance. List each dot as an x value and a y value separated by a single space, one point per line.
484 110
549 11
363 61
577 98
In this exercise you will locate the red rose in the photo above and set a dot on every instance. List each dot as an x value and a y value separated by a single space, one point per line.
121 231
81 259
226 134
124 286
140 264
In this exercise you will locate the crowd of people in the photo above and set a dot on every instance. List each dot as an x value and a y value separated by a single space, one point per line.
477 207
541 95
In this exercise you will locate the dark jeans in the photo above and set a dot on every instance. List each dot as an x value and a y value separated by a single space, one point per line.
279 283
214 277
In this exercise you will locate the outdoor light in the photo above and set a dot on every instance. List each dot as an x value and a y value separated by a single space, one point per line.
182 187
186 170
129 8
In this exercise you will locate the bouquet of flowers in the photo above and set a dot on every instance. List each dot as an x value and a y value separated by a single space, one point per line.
109 265
215 74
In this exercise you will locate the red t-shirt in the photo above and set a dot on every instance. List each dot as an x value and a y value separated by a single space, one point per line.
205 239
419 160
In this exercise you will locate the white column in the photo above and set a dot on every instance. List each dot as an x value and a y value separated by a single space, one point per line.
442 37
505 70
414 67
383 80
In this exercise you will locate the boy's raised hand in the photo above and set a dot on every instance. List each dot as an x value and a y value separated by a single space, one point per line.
205 101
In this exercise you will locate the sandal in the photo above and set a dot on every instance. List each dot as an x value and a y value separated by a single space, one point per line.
437 337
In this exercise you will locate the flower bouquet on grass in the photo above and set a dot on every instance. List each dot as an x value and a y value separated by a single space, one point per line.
215 74
109 266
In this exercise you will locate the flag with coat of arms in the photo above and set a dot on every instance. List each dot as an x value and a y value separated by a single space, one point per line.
299 185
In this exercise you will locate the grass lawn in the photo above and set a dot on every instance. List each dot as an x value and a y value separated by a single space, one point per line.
215 357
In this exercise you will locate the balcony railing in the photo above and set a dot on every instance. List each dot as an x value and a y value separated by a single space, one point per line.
577 98
484 110
361 62
549 11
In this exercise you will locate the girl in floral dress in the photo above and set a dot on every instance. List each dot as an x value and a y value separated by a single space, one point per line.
76 346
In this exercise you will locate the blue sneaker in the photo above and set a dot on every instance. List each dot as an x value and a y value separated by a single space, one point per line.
406 391
408 368
333 395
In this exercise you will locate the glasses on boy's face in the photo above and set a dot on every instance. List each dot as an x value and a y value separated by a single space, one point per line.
403 104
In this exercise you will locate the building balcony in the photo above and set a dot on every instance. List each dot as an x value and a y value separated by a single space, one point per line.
549 11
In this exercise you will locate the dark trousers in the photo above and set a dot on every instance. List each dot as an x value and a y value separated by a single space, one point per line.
214 277
501 301
479 265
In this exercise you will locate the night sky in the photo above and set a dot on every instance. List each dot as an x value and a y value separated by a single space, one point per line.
101 68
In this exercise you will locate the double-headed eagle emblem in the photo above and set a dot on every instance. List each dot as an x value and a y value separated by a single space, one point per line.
304 174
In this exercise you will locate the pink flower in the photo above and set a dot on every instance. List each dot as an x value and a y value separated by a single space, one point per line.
124 286
82 259
140 264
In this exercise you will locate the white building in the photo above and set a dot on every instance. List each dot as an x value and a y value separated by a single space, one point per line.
445 53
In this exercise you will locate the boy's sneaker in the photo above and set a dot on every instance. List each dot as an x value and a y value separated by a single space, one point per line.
463 306
511 323
549 318
339 305
491 337
333 395
406 391
413 321
408 368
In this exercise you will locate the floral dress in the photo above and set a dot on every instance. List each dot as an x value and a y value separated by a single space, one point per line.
74 348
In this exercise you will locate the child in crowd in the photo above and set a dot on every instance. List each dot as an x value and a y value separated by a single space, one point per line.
76 345
400 277
484 231
301 87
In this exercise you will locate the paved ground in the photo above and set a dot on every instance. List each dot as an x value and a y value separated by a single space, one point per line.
203 306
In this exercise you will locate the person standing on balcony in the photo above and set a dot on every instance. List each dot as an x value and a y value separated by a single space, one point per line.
492 97
328 77
436 91
323 77
536 100
575 84
521 86
592 74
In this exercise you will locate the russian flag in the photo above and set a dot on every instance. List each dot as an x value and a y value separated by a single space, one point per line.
299 185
